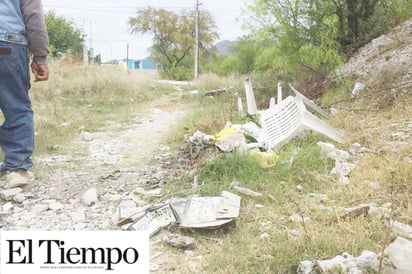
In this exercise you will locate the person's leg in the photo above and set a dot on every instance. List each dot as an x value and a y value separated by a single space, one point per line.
17 131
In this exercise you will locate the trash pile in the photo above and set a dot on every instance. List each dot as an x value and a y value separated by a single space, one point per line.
281 122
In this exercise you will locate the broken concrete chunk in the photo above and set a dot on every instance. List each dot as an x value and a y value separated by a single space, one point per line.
39 208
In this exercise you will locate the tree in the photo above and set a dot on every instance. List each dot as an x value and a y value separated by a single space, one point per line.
299 38
64 36
174 34
311 37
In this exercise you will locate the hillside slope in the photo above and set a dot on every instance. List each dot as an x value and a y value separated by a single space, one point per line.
390 54
380 118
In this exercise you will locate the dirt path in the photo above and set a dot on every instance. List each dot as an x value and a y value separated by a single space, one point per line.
111 161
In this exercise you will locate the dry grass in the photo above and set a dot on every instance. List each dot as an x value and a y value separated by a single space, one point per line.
83 98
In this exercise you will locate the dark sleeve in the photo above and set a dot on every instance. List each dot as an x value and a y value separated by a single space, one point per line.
36 32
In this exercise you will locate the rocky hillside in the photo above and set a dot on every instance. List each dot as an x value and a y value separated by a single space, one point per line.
390 54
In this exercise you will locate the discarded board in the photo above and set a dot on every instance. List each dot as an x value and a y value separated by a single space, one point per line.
207 212
194 212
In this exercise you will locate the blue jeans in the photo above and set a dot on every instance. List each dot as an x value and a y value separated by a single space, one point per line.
17 131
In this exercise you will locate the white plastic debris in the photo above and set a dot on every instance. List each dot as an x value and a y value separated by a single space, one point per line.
357 88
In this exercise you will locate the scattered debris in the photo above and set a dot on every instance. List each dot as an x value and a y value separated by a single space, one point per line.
342 167
278 124
345 263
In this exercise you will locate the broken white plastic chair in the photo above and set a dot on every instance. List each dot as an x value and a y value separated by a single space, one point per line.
290 117
250 98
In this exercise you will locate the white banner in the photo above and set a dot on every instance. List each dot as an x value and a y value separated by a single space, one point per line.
68 252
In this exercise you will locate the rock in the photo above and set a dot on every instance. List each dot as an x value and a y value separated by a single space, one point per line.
89 198
7 207
154 267
180 241
87 136
19 198
8 194
294 233
39 208
78 216
373 185
343 168
296 218
401 229
398 257
344 263
189 253
115 197
79 226
56 206
264 236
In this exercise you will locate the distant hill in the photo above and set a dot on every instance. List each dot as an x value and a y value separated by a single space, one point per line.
223 47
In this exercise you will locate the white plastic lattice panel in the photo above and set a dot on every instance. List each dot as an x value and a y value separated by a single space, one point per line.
286 119
281 122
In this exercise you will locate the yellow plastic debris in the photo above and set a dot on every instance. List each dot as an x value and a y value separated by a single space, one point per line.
266 159
224 132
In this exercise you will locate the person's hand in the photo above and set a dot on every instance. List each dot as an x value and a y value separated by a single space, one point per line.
40 71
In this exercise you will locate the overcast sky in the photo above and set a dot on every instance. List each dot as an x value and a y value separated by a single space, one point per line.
105 21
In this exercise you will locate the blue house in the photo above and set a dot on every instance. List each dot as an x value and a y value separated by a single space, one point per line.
143 64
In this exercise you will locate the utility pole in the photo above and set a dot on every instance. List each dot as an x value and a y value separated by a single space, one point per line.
196 73
91 51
